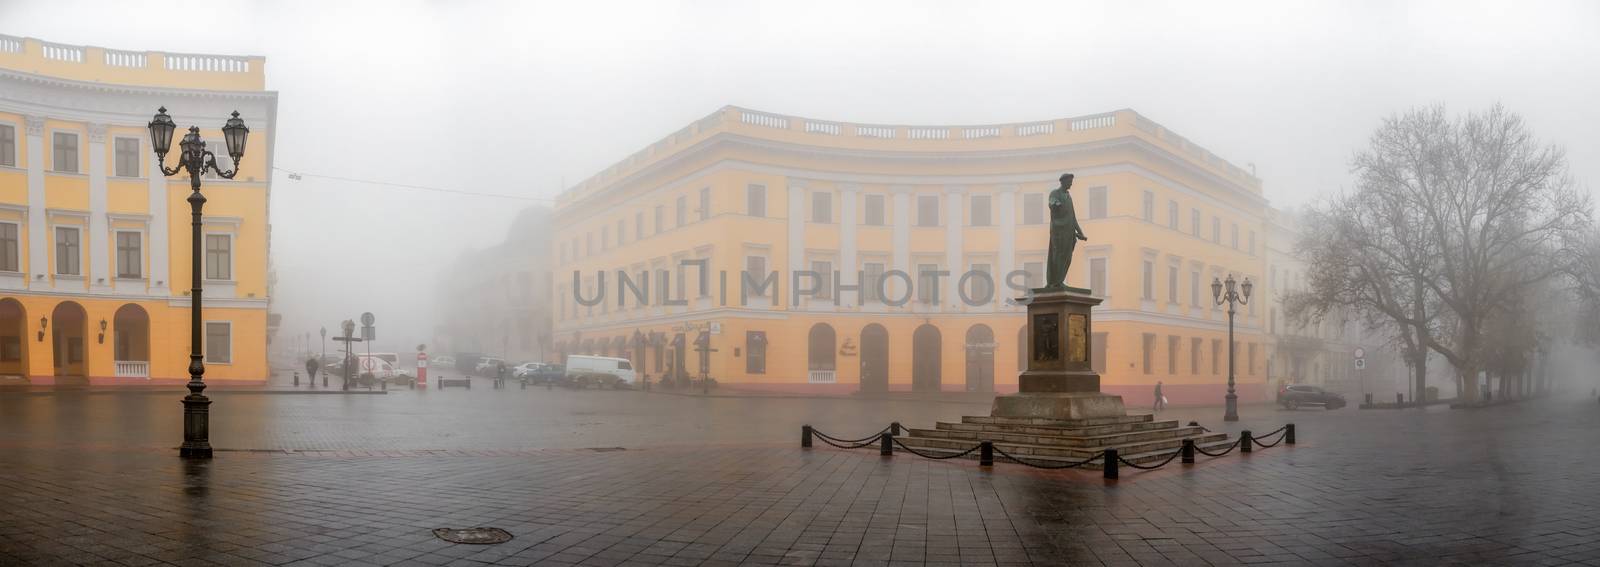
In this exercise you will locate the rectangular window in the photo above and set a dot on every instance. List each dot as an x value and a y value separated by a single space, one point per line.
1097 276
1252 243
638 225
871 281
928 210
1035 272
11 349
1148 210
661 218
1194 222
1216 355
1172 284
1097 344
1032 208
1234 235
1194 355
10 248
755 352
622 232
824 271
705 203
8 145
605 239
219 342
821 206
219 257
874 212
755 197
1194 288
130 255
66 152
683 210
980 288
1216 230
1250 361
925 282
980 210
1149 281
67 251
127 157
1098 203
1172 354
756 267
1149 348
1172 215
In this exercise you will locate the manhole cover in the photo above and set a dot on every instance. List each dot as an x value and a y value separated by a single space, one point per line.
479 536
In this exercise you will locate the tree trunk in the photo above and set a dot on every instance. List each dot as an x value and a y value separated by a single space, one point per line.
1467 378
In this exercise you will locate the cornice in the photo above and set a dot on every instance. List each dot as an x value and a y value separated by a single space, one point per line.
109 104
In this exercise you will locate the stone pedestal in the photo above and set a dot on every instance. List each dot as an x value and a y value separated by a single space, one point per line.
1059 382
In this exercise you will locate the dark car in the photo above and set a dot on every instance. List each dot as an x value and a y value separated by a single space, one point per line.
547 374
1292 397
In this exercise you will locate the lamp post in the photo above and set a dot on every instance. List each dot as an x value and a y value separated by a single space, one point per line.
195 159
1233 297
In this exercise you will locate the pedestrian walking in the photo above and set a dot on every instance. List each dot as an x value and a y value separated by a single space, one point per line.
1161 400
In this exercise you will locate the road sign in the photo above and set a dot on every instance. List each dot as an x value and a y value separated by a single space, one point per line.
367 319
369 333
368 363
1361 352
1361 364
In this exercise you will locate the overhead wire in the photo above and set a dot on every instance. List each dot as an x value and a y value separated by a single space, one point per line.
297 175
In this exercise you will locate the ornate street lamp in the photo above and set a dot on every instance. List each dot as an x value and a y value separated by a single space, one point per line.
197 161
1233 297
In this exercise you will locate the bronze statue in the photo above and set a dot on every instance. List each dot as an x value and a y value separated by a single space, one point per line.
1064 235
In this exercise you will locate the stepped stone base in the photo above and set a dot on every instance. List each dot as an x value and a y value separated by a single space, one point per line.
1137 438
1059 406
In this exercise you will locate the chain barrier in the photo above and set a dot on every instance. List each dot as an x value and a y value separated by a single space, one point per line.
1169 459
1016 460
1285 433
935 457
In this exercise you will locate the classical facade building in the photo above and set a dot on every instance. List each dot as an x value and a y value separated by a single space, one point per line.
95 241
495 301
930 230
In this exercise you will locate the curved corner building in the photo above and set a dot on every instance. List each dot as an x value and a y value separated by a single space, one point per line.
892 209
95 242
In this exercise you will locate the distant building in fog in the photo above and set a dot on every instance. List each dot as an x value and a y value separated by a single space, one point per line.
748 190
95 241
496 301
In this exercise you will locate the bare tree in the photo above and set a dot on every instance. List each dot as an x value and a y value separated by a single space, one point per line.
1449 220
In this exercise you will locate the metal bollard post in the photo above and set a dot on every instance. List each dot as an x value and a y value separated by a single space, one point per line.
896 428
324 380
297 379
1399 399
886 445
524 383
986 454
1369 400
1244 441
413 385
1188 452
805 437
1110 465
1288 434
384 384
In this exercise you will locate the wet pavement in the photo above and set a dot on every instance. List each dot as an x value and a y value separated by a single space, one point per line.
630 478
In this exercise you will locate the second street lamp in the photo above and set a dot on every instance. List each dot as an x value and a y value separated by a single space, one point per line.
196 160
1233 297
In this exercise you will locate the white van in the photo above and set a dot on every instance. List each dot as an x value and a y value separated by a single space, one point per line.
600 370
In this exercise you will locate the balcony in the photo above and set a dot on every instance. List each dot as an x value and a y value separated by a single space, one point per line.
133 368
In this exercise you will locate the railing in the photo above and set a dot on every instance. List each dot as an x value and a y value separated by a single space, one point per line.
822 376
981 132
10 44
886 132
61 52
1092 122
1036 128
762 119
828 128
216 63
928 133
133 369
133 59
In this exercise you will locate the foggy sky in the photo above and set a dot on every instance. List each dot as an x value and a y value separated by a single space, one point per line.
518 98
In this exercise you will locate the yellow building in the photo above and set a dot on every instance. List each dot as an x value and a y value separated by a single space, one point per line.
95 242
748 191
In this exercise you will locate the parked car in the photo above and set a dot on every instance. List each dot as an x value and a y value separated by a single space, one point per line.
442 361
526 369
1294 396
371 369
600 371
549 374
488 366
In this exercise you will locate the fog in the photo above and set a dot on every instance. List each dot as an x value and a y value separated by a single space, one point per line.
505 103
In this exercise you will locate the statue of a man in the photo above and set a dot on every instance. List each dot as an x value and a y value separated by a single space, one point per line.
1064 235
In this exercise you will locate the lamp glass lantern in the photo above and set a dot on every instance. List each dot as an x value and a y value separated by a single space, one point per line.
236 133
1216 289
161 128
1246 287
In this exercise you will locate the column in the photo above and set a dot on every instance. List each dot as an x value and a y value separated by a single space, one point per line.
1008 241
797 241
100 269
160 231
38 242
847 239
902 236
954 256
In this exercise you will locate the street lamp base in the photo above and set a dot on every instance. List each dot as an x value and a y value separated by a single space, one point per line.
1231 412
196 427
